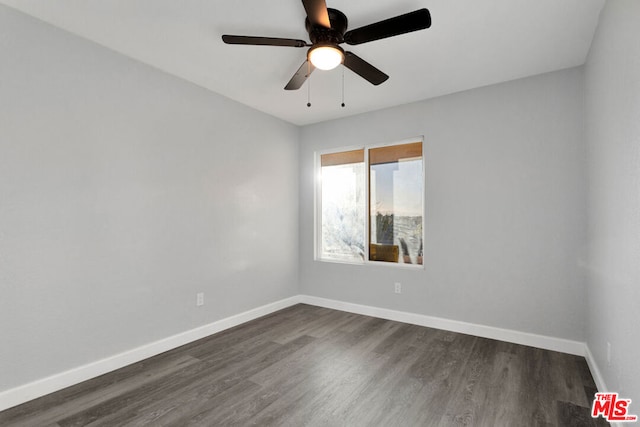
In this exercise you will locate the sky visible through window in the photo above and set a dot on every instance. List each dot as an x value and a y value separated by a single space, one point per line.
397 188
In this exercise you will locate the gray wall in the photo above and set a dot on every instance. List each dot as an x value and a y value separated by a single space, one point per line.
505 197
613 135
123 192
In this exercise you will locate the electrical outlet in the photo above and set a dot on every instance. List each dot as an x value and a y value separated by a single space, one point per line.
398 288
608 353
200 299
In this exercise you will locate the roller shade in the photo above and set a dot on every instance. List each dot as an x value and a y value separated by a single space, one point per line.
395 153
343 158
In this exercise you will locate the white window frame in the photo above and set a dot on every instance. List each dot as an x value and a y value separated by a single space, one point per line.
317 199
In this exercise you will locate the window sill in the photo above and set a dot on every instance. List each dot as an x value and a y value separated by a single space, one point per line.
373 263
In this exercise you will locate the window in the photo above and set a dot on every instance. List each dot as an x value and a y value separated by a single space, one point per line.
343 206
372 195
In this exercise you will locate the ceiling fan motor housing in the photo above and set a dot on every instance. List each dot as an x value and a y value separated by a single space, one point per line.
333 36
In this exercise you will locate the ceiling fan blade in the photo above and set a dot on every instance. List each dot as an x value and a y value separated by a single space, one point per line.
317 12
402 24
364 69
300 76
263 41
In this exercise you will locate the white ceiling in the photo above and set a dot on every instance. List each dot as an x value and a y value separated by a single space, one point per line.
471 43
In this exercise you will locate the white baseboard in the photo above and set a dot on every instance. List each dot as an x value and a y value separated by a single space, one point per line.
39 388
524 338
62 380
595 371
597 377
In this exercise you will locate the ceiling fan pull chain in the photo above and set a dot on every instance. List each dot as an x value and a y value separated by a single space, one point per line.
309 84
342 105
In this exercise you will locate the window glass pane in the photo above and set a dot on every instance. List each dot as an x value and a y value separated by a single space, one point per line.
342 234
396 189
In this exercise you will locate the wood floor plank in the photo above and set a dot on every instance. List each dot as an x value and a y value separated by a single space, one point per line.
189 390
571 415
299 365
503 402
439 373
365 401
312 366
466 406
51 409
238 411
317 407
538 396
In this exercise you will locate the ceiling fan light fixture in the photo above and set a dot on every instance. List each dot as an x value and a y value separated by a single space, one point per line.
326 57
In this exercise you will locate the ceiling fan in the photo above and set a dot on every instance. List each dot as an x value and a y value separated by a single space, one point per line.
327 29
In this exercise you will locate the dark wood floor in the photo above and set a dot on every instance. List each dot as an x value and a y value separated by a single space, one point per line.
313 366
